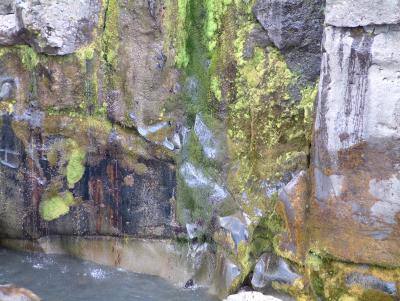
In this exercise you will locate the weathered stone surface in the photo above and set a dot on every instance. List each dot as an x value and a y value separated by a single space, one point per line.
356 162
11 293
62 85
196 179
294 197
289 23
9 30
116 193
235 227
7 89
7 7
147 80
295 27
269 269
52 27
57 27
345 13
369 282
251 296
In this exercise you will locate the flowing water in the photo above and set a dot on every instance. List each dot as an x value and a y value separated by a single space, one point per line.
63 278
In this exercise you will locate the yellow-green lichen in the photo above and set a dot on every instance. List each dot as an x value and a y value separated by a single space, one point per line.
56 206
110 37
140 168
182 57
28 56
215 11
75 166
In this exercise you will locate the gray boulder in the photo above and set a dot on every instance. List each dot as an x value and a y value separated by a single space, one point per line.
295 27
290 23
53 27
7 89
9 30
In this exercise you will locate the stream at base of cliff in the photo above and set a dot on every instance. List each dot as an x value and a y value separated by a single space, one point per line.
58 277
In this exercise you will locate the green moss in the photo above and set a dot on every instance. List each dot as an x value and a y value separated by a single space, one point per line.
374 295
75 166
56 206
85 54
215 11
110 37
182 56
314 261
140 168
29 57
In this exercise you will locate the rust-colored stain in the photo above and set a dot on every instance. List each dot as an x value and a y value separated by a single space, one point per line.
96 191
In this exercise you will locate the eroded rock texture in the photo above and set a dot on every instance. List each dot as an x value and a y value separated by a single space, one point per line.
53 27
65 168
194 120
356 162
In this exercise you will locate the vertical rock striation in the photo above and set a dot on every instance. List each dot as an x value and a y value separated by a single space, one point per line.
357 133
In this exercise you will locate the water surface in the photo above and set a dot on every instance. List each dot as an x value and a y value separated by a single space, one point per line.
63 278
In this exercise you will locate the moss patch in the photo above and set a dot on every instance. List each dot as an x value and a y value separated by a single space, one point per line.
56 206
75 166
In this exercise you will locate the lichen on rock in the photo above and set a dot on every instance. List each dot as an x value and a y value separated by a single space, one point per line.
56 206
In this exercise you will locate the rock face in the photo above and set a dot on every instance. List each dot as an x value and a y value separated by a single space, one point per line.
9 293
119 193
57 27
193 121
295 27
53 27
343 13
270 269
356 162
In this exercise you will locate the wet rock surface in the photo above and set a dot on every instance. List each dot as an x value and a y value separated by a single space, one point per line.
235 227
110 197
293 206
269 269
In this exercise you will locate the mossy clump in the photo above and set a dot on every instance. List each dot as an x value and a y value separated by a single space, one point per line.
56 206
110 36
75 166
215 11
375 295
140 168
28 56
